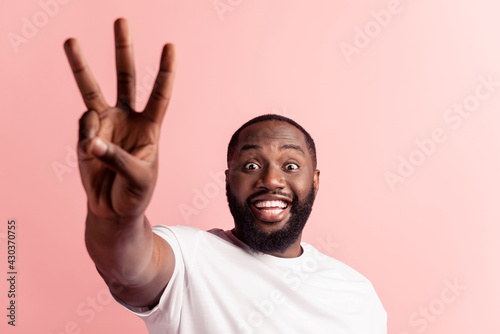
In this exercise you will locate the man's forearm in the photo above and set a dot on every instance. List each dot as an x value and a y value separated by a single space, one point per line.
121 248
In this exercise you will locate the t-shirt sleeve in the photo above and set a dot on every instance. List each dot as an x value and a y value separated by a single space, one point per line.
171 298
379 316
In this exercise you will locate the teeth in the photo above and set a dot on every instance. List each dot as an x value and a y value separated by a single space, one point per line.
274 212
271 204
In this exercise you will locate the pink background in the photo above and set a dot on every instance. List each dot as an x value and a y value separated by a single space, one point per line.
366 110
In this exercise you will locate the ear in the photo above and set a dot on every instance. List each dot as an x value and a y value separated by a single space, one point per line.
316 181
227 175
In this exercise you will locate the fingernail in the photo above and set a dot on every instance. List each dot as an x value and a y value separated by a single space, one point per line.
99 147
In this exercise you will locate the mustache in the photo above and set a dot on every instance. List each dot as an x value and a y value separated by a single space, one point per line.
276 192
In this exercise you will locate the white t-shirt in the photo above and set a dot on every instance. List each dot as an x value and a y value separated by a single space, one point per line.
219 286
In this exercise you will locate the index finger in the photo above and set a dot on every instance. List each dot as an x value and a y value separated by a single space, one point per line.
89 88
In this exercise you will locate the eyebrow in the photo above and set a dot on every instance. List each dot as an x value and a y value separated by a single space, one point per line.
250 147
292 147
282 148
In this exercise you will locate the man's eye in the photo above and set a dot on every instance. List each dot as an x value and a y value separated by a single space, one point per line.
291 166
251 166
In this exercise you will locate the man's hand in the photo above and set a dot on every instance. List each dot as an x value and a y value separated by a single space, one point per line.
117 146
118 160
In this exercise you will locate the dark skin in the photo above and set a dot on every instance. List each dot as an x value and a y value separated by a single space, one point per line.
118 163
272 156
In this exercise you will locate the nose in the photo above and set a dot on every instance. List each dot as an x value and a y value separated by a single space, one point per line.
271 178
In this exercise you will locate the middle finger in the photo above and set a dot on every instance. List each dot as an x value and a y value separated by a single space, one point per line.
125 69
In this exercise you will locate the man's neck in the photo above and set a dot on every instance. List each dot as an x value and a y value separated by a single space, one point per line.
294 250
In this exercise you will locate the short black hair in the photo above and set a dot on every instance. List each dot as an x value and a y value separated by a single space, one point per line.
271 117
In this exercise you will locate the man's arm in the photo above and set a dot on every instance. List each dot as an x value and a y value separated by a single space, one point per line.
118 163
135 263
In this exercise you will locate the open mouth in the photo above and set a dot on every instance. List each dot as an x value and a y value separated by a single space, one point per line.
270 211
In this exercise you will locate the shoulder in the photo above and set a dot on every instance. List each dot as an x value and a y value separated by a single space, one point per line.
328 265
178 231
341 277
189 235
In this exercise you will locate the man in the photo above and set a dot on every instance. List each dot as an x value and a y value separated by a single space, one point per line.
256 278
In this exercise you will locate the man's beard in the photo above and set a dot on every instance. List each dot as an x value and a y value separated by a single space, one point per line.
276 241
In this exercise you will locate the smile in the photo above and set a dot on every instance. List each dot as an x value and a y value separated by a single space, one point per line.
270 211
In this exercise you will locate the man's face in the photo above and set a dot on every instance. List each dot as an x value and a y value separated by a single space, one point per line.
271 185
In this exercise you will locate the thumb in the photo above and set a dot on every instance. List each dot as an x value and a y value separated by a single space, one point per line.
117 159
88 126
98 147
